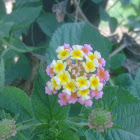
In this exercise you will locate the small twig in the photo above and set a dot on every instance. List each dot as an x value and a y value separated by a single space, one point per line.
112 6
80 12
117 50
76 14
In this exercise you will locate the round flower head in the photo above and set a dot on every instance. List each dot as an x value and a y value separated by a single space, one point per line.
78 74
100 120
7 129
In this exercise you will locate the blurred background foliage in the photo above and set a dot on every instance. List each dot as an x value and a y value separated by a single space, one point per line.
29 27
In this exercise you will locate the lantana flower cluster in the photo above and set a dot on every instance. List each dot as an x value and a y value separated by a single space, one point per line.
78 75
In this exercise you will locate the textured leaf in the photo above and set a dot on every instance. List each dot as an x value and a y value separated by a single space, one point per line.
77 33
124 80
46 107
128 114
67 135
15 101
117 60
135 88
48 23
2 74
21 2
113 23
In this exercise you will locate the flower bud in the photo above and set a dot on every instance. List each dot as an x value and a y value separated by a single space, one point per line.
100 119
7 129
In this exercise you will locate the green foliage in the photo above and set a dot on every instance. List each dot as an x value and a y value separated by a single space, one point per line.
97 1
117 61
77 33
48 23
67 135
2 74
135 88
46 107
124 80
113 23
15 101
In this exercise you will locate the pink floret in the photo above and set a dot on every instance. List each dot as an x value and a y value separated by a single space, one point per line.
102 62
67 46
49 71
96 94
64 98
102 74
48 91
86 102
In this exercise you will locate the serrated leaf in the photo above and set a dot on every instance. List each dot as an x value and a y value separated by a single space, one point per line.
48 23
135 88
46 107
117 60
113 23
2 74
103 14
128 114
67 135
124 80
77 33
15 101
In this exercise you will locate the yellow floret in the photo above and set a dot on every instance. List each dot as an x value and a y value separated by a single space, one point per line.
84 94
59 66
94 83
63 54
53 85
89 66
77 53
64 77
70 87
82 83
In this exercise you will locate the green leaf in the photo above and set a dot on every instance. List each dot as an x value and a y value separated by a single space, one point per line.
103 14
2 9
113 23
117 61
5 28
21 68
124 80
112 104
128 114
15 101
2 74
48 23
97 1
77 33
46 107
135 88
67 135
23 16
